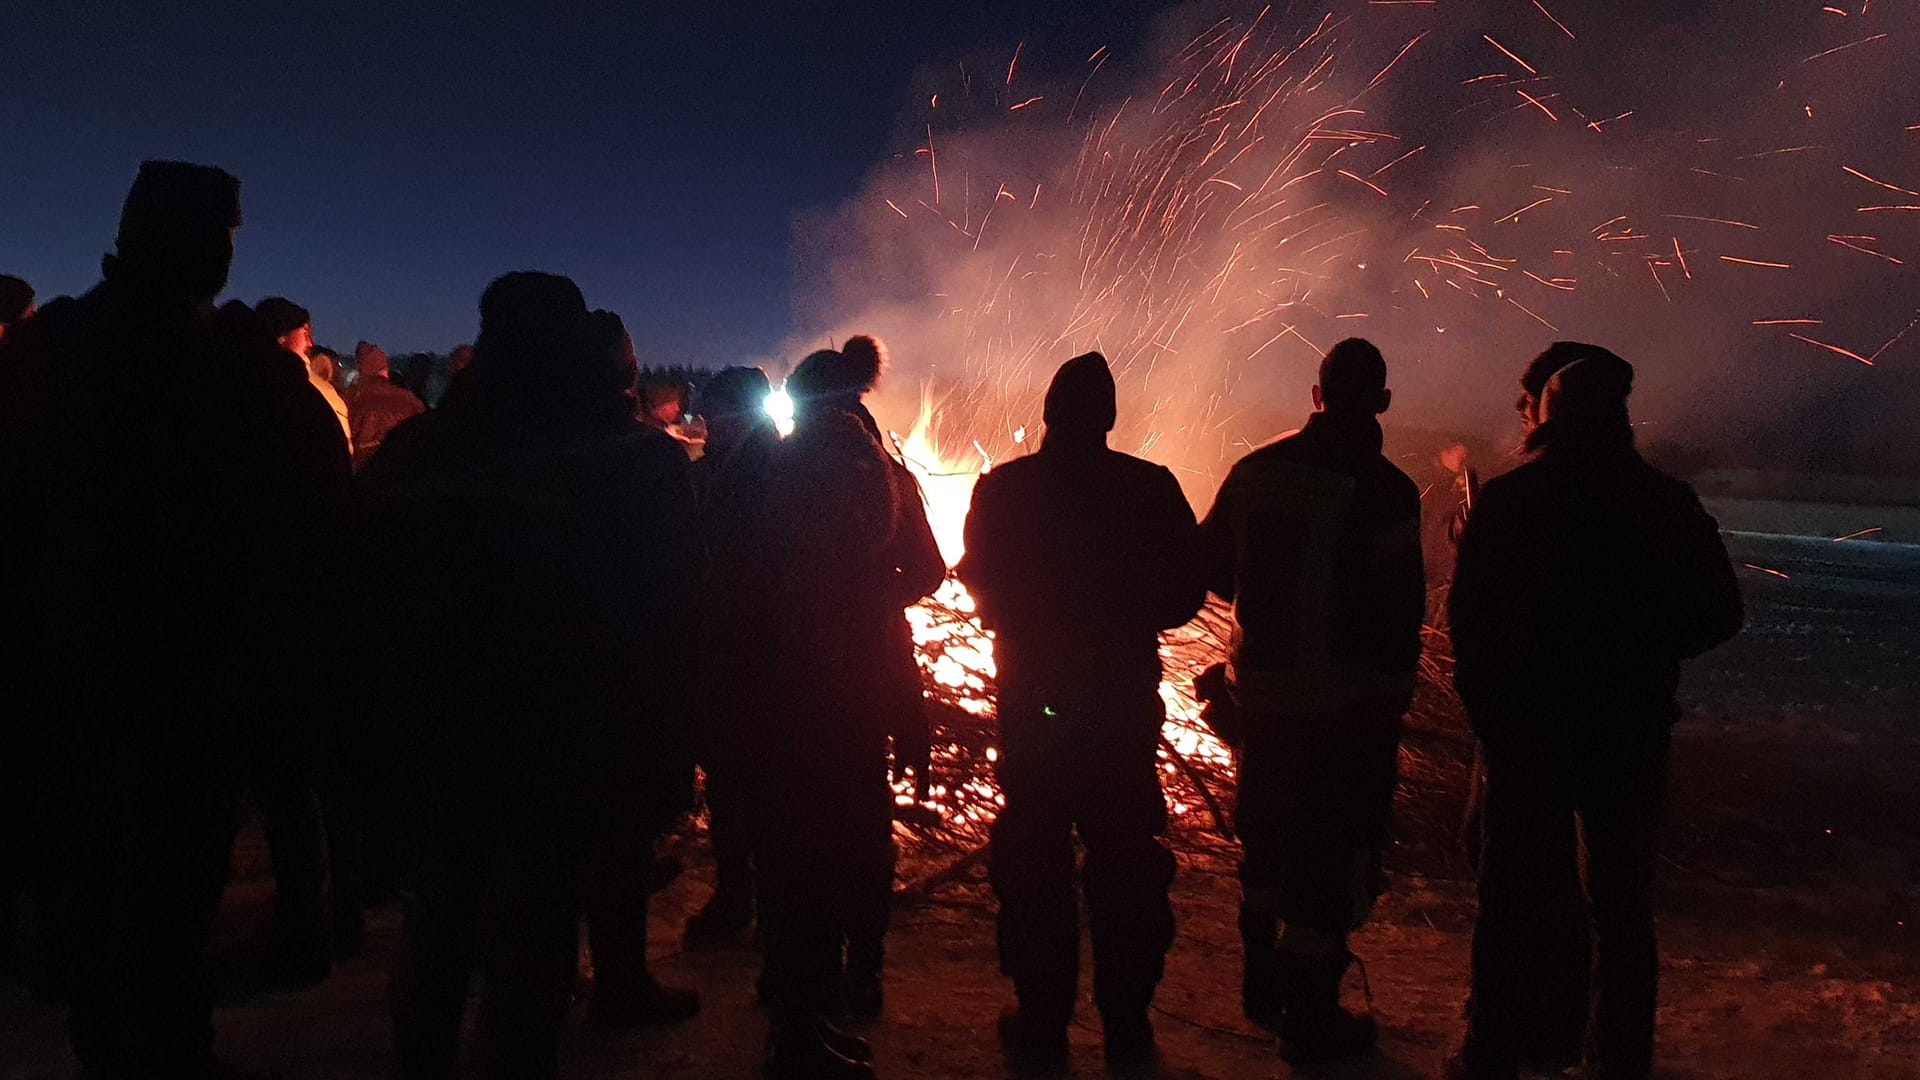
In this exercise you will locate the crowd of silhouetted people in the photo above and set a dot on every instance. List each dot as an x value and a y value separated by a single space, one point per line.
554 616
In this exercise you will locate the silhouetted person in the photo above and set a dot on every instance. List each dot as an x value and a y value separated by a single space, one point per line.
840 382
19 857
1315 538
375 405
729 482
292 327
1078 556
620 856
157 576
284 769
1559 946
1585 577
832 514
16 302
459 360
535 560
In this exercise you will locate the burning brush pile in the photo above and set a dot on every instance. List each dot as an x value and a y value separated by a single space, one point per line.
943 836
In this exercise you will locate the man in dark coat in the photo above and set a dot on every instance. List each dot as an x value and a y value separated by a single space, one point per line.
1315 539
537 562
729 481
1585 577
1078 556
159 578
1559 945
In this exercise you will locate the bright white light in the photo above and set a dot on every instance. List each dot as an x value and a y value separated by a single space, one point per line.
780 406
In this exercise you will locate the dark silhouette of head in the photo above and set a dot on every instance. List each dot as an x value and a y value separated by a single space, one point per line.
535 351
1589 396
1554 358
290 324
459 358
1081 404
818 378
865 360
16 301
619 364
371 361
1353 380
734 403
176 232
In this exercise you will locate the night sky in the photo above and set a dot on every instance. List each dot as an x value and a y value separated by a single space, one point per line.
395 158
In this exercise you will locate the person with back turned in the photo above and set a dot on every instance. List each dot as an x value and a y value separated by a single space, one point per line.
1585 578
1078 556
155 578
536 560
729 482
16 303
1559 943
375 403
1315 539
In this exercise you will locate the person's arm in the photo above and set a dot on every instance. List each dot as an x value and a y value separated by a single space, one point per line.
1403 584
1179 583
982 569
1219 546
1705 605
1493 582
917 563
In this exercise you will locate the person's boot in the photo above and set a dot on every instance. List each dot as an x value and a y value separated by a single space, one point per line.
846 1044
865 986
1314 1026
1128 1039
798 1050
722 919
1030 1042
1259 979
644 1005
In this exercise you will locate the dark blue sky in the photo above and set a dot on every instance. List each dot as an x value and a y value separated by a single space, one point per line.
396 157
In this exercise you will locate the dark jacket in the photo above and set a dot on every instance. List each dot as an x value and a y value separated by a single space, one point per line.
543 567
1585 577
1078 556
1315 538
830 527
734 667
160 581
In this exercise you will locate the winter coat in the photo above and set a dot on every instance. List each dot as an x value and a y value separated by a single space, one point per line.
375 406
1315 538
829 525
1585 577
539 568
155 576
1078 556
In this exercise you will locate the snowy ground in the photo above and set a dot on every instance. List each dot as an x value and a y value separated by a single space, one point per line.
1788 909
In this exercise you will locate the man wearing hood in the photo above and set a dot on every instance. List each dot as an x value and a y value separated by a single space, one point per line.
154 577
1078 556
1585 578
1315 539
